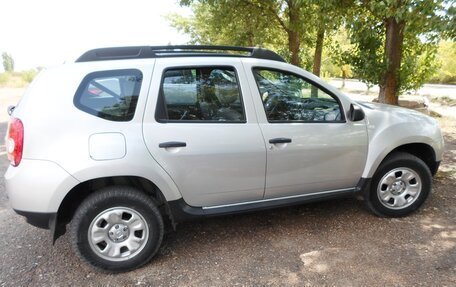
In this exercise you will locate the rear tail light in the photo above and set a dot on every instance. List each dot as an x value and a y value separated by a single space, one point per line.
15 141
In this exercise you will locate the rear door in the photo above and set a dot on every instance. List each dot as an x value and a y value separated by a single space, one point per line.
312 147
201 127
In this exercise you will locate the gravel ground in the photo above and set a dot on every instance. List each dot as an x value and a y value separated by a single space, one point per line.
334 243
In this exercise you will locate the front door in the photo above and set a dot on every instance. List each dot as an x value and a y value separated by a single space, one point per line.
311 146
204 131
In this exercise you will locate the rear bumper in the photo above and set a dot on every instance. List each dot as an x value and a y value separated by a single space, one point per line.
37 186
40 220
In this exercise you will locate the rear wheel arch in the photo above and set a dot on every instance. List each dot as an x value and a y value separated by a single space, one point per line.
80 192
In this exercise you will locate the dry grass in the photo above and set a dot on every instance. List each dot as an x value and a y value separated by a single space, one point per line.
17 79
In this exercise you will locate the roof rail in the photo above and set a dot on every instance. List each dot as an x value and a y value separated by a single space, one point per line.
144 52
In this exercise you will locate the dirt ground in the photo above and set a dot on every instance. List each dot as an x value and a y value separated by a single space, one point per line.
333 243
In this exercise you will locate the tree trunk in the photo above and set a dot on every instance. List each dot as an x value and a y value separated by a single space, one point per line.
317 58
344 76
318 51
294 45
294 22
389 84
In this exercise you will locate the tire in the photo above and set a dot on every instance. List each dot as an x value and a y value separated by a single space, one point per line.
400 185
117 229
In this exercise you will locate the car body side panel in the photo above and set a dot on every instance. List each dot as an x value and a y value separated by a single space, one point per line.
390 127
56 131
57 137
321 156
38 186
222 162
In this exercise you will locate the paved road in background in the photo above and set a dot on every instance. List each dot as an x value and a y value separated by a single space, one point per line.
434 90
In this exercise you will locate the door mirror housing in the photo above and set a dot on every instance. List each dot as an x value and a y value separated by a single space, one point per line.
356 113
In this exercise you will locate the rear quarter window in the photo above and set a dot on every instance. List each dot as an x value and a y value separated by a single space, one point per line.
110 95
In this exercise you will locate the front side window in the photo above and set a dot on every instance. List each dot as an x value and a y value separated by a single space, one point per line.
208 94
111 95
289 98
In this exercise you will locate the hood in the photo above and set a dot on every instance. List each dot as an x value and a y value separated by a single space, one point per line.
394 112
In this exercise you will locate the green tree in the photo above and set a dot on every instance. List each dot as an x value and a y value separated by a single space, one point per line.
336 63
265 23
8 62
395 42
326 16
446 58
291 27
225 23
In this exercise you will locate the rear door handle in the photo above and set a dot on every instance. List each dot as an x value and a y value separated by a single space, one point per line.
279 140
172 144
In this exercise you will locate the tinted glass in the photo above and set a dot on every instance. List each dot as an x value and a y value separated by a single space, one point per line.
110 95
287 97
209 94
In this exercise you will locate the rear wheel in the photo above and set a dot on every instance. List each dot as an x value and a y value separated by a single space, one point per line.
117 229
400 186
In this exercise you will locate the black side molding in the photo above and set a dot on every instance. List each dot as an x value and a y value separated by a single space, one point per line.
363 185
181 211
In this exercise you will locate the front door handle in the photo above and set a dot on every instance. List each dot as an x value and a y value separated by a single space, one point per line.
279 140
172 144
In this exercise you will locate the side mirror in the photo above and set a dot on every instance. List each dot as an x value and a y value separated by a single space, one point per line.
356 113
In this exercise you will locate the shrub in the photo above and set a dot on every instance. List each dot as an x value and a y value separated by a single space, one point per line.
29 75
4 78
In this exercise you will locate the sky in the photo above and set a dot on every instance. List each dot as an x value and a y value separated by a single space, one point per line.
50 32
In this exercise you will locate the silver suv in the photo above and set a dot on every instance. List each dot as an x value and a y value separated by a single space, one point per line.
127 140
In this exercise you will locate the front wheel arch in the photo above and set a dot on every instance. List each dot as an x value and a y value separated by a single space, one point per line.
423 151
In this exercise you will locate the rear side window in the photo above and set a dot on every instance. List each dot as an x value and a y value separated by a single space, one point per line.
110 95
203 94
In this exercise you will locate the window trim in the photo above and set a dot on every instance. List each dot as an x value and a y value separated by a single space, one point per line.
319 86
105 74
160 108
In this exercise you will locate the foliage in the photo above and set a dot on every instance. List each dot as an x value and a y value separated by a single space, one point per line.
336 63
296 29
8 62
420 23
219 22
354 34
17 79
446 58
365 56
4 78
29 75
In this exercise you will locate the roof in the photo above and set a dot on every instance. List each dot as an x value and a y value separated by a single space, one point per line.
144 52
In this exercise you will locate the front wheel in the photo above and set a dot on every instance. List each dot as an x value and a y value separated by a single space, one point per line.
117 229
400 186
